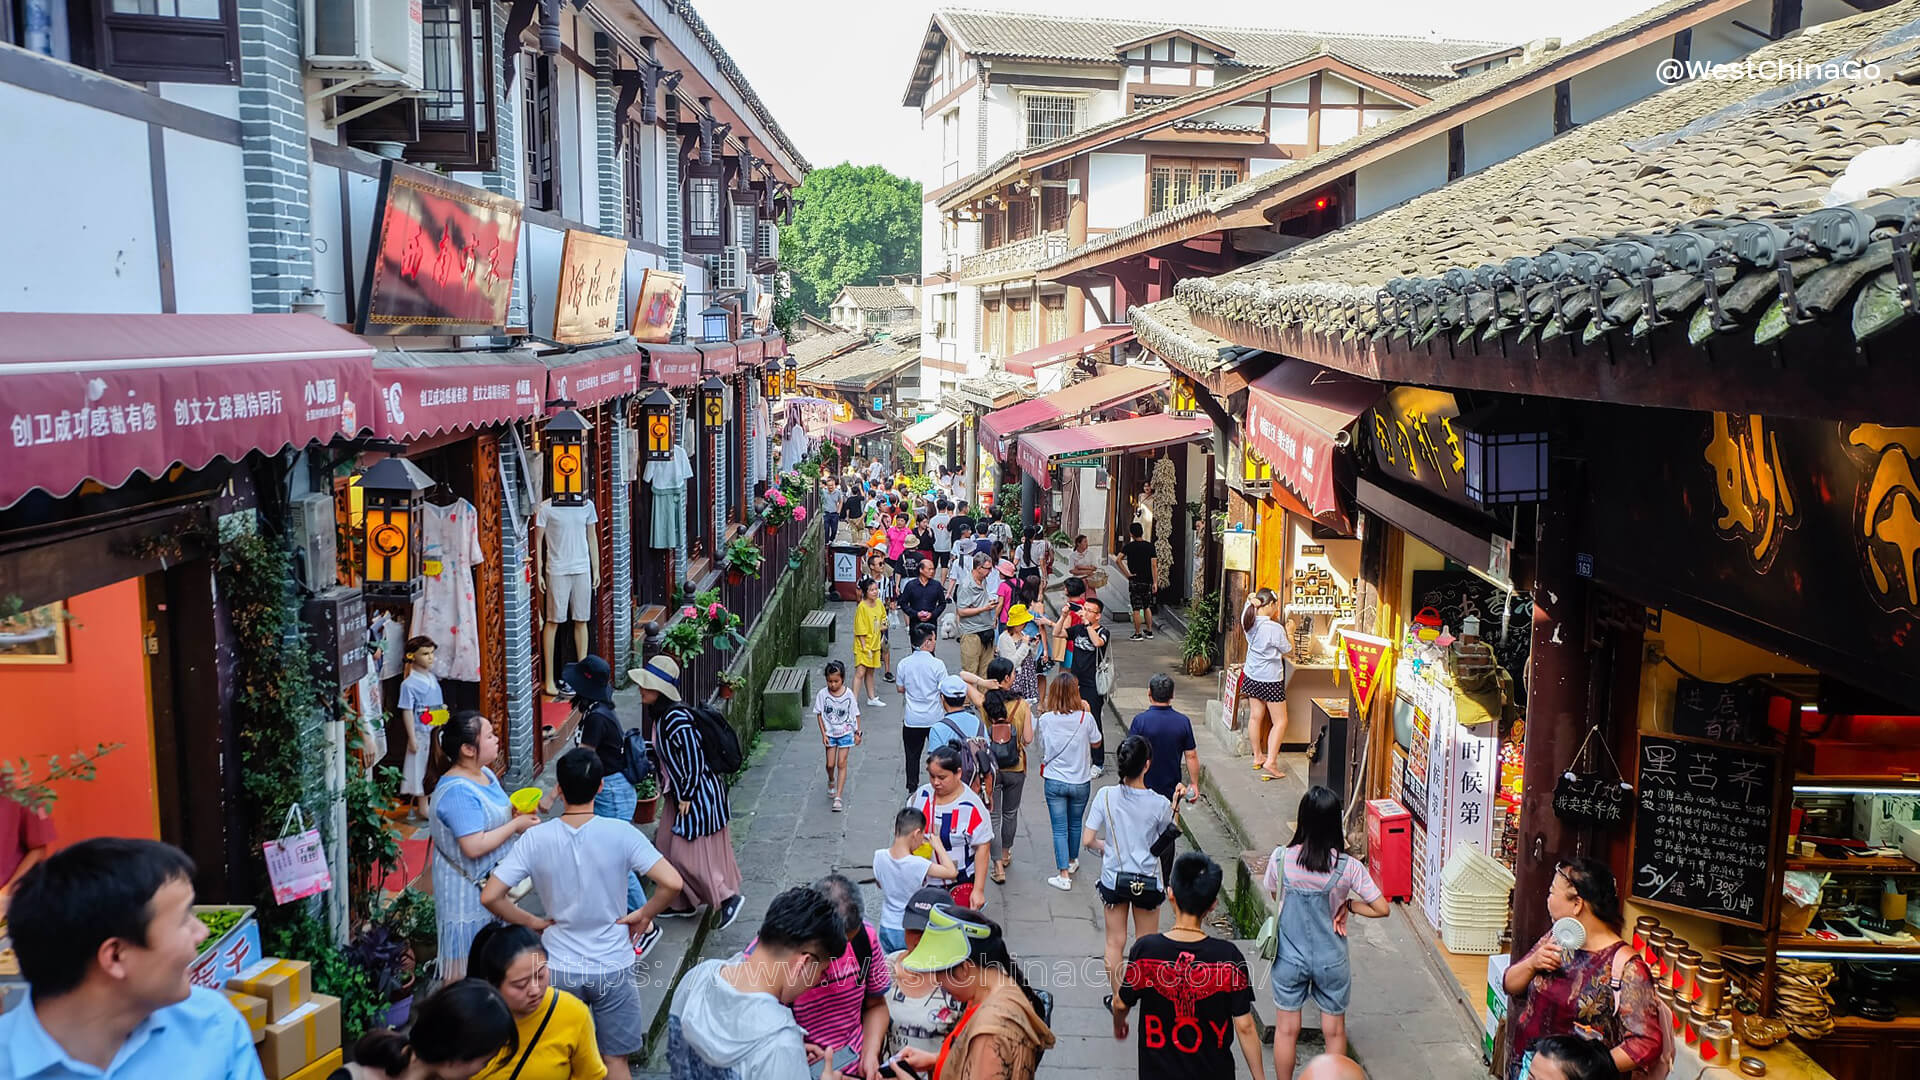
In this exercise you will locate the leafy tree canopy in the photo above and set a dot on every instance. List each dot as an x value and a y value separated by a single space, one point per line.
857 223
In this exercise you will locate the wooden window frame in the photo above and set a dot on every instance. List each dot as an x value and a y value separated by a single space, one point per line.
1193 166
468 140
155 48
1054 208
633 196
1076 103
540 116
992 328
1019 217
992 230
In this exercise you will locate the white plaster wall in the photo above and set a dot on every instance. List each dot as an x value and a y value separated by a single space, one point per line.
1418 168
1338 125
219 100
575 154
1006 128
1256 166
207 216
1117 189
1234 114
1508 131
1289 126
330 252
1335 90
1612 85
79 221
1297 91
540 251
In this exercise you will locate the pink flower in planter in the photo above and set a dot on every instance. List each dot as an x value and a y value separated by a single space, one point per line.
689 611
779 497
799 513
715 611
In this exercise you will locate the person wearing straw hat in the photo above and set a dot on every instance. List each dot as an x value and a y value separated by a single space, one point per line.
1004 1030
693 833
601 731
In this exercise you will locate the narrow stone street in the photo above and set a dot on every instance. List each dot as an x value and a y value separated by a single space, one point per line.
1404 1023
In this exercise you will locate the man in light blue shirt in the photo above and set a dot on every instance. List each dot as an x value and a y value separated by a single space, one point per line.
104 932
919 678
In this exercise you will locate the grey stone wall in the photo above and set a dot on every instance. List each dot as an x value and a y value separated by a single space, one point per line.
273 147
522 728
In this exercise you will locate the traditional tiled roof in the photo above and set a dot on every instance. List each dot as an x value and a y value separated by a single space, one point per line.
1711 180
1207 213
866 366
817 347
875 297
1019 35
1216 126
1165 329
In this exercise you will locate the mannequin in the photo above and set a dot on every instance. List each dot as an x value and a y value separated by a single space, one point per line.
566 560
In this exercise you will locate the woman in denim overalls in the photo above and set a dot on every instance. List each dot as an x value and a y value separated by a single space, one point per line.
1318 884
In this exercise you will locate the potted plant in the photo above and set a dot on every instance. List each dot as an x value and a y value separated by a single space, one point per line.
411 915
731 683
1204 622
798 556
391 967
648 806
742 558
687 637
722 628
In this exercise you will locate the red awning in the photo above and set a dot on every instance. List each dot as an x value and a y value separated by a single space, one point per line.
845 431
1296 415
1038 449
1100 337
426 393
1115 385
752 350
776 345
672 365
720 358
591 376
101 397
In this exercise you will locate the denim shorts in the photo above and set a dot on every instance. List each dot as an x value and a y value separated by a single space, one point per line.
839 741
1331 985
891 940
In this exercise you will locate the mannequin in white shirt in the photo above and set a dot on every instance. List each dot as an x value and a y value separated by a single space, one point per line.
566 562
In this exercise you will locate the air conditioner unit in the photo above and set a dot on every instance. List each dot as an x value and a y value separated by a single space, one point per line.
377 40
316 559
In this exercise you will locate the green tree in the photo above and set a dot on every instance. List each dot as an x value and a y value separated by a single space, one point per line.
856 224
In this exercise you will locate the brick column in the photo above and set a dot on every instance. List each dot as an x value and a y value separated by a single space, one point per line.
273 149
504 177
518 601
674 237
613 210
619 650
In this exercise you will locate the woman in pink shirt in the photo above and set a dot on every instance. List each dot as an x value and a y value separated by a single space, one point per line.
897 536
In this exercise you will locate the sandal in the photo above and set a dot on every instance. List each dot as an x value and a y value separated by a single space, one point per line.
836 804
1266 776
998 874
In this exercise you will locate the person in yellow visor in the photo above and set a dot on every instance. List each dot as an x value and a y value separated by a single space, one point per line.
1003 1031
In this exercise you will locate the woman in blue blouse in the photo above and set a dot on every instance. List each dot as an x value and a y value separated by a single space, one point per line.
473 826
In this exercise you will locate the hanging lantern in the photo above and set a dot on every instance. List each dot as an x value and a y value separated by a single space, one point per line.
1506 456
790 380
770 380
1182 401
713 323
713 404
393 493
656 414
566 438
1256 473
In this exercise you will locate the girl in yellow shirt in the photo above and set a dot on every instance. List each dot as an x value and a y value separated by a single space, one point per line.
869 632
513 960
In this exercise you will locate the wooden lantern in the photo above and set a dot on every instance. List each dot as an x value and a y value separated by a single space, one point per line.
566 440
393 497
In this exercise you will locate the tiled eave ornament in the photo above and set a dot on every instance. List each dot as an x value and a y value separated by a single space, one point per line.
1712 205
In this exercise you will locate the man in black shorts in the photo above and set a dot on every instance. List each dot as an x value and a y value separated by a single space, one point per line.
1142 568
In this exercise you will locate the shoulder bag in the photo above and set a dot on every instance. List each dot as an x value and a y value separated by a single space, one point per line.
1003 737
1268 939
527 1051
1103 669
1125 882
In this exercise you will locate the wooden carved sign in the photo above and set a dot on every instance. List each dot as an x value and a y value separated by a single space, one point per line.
592 283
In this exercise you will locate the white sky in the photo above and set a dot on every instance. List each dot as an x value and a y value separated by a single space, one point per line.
833 71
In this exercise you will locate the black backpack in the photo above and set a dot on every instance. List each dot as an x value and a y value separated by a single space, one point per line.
639 763
718 742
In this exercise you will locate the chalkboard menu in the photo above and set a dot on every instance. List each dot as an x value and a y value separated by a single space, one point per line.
1703 827
1728 712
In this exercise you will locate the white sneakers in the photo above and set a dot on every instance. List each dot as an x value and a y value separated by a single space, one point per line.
1064 884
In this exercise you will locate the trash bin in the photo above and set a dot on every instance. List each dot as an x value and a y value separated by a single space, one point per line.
1390 848
846 571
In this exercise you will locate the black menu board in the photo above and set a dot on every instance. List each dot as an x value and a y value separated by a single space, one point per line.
1703 827
1728 712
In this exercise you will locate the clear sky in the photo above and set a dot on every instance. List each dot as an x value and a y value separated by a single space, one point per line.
834 71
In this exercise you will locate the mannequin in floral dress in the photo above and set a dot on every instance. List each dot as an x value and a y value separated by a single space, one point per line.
445 612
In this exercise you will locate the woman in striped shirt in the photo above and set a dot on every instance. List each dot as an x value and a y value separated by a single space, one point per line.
693 834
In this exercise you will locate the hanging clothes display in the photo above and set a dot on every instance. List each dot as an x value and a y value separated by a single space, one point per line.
668 482
445 612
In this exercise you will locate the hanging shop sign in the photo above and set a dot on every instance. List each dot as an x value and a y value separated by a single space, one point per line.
441 257
763 310
673 365
1805 534
1182 401
1237 548
1417 440
658 307
1366 657
593 274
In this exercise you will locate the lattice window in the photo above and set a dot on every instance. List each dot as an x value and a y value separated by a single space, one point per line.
990 338
728 274
1020 326
703 211
537 92
1177 180
1053 208
637 175
991 232
767 243
1019 218
1051 116
1053 316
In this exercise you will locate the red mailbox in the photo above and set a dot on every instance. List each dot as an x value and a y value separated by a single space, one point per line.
1390 848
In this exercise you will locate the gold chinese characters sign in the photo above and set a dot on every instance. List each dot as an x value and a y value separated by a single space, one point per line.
593 273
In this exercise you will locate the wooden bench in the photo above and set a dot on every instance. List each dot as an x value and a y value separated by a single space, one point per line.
817 633
784 703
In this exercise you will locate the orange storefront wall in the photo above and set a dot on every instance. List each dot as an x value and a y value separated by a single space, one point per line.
100 695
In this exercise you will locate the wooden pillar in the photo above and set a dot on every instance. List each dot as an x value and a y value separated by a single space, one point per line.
1559 672
1076 236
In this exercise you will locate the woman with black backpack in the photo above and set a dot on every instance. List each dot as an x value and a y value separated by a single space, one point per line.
601 731
693 832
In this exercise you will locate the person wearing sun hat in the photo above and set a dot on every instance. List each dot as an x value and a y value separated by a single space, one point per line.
922 1014
1004 1029
693 833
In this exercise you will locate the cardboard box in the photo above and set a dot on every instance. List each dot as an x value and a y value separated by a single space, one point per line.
1908 839
321 1069
286 984
253 1008
1875 816
308 1034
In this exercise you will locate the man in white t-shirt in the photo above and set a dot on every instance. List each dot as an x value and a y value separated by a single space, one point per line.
566 562
918 677
579 864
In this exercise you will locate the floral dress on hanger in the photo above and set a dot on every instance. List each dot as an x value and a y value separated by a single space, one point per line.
445 611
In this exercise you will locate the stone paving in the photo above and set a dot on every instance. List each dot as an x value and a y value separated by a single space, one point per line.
1403 1023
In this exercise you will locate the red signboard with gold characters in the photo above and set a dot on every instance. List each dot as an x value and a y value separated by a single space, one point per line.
441 257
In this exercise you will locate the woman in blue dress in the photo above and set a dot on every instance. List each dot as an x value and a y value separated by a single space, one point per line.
473 827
